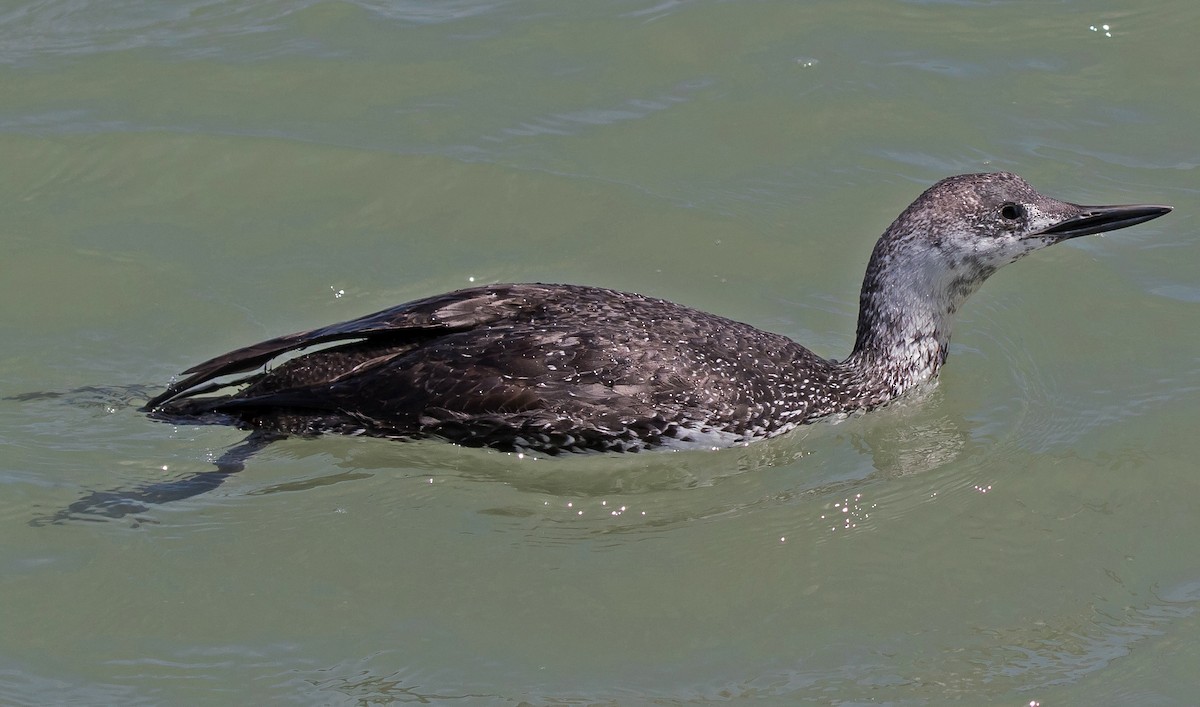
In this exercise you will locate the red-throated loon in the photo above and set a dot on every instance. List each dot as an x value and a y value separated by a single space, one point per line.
566 368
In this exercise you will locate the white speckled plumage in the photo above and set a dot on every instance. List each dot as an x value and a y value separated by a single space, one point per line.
567 368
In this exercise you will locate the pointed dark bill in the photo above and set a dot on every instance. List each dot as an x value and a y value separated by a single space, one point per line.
1098 219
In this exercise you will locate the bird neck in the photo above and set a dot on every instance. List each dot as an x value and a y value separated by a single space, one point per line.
906 311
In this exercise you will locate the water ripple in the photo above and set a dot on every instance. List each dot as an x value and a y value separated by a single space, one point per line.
84 27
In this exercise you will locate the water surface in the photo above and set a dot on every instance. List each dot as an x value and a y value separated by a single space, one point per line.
181 180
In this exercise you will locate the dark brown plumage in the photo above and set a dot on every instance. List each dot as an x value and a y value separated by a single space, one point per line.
557 368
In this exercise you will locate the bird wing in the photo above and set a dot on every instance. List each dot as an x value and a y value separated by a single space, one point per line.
453 311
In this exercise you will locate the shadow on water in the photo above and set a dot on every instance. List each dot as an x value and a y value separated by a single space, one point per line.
118 503
121 502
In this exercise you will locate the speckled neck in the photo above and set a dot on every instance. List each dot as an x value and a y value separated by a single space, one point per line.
913 286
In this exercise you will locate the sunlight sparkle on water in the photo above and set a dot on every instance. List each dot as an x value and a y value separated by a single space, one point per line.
613 510
852 512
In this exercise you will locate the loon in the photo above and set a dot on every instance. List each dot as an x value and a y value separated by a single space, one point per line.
568 368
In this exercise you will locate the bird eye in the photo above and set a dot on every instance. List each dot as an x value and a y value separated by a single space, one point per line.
1012 211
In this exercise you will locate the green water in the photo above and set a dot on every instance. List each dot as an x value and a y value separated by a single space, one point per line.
182 180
